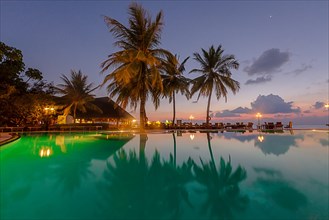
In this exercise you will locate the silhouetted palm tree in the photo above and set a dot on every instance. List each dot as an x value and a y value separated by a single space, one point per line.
76 93
174 81
141 189
136 67
216 75
222 185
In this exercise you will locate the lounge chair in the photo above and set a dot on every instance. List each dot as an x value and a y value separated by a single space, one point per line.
249 125
278 125
270 125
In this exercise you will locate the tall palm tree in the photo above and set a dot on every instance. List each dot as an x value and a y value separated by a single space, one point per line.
216 75
135 73
77 93
173 80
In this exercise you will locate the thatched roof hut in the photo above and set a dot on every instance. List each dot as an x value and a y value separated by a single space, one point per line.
110 112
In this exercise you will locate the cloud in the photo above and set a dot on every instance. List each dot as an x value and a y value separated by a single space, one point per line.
302 69
307 111
318 105
226 113
232 113
282 116
272 104
270 61
258 80
241 110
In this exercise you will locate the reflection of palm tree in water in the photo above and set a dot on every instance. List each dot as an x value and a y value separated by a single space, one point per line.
175 156
222 186
70 176
137 189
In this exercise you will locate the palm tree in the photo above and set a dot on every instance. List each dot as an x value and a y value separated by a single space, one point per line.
173 80
216 75
77 93
136 67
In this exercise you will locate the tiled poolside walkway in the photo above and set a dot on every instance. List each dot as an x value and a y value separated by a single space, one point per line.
5 137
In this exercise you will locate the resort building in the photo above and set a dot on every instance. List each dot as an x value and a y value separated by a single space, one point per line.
111 113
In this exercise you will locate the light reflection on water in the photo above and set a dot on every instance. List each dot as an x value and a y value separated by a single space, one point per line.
185 175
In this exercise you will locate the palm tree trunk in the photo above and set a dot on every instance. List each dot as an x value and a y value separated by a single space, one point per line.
208 109
174 108
74 113
142 114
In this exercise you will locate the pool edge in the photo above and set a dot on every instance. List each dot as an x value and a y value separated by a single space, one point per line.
13 137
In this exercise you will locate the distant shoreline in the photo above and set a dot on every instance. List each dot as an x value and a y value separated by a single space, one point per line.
308 127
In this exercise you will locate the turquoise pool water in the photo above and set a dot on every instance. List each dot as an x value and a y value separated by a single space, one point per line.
166 176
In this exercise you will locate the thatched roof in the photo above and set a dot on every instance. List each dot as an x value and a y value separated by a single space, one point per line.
110 110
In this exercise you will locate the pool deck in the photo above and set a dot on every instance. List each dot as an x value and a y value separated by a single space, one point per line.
7 137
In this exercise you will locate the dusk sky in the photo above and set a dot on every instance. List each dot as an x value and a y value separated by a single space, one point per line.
282 47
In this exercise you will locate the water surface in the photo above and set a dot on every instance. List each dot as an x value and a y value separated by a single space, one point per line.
184 175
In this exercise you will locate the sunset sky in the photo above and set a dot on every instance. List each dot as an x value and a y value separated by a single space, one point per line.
282 47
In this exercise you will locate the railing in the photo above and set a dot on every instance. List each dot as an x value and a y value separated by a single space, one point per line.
51 128
11 129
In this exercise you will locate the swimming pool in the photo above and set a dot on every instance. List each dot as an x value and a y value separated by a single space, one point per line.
184 175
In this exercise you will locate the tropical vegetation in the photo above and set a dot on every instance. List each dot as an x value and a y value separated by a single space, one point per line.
76 93
216 75
140 70
174 81
135 69
23 93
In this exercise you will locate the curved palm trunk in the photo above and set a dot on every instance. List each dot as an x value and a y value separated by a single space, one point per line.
142 113
208 108
174 108
74 113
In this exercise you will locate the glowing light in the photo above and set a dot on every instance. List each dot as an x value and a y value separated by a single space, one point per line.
258 115
191 117
45 152
168 122
192 136
260 138
148 122
134 120
326 106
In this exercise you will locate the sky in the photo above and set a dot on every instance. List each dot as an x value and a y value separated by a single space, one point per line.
282 48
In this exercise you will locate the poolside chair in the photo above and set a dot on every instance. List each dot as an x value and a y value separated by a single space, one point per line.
228 126
270 125
279 125
249 125
219 125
